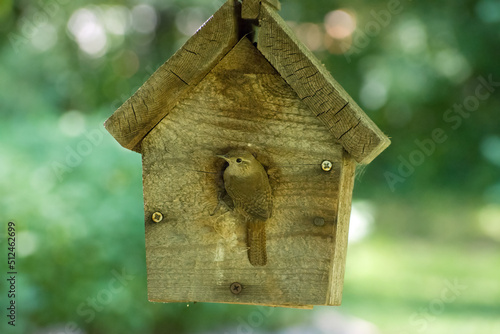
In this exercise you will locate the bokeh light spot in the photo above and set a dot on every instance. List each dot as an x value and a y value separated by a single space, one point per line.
340 24
337 46
490 148
373 94
362 219
87 31
117 20
144 19
311 35
189 20
488 218
492 193
412 36
488 11
42 180
45 37
28 243
453 65
72 123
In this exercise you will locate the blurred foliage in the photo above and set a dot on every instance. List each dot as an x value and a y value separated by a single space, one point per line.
66 66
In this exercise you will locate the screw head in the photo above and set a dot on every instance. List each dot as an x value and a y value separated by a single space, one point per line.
327 165
157 217
319 221
236 288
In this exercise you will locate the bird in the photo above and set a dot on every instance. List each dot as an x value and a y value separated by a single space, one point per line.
247 183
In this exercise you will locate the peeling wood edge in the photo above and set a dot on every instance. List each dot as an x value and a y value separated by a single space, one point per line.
304 307
336 279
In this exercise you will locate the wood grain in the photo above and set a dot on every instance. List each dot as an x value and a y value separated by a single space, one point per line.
250 9
176 78
347 176
195 254
316 87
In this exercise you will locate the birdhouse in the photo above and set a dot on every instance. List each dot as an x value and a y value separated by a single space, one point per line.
244 82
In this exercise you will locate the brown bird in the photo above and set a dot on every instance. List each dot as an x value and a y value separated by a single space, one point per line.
247 183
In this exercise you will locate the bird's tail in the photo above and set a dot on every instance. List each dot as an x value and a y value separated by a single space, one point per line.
257 243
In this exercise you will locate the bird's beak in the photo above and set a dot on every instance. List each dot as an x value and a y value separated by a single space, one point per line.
223 157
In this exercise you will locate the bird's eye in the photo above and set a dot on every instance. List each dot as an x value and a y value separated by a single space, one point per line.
239 160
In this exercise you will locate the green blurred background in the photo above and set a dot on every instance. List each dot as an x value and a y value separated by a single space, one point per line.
424 253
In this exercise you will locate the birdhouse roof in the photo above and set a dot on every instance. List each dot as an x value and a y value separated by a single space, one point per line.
305 74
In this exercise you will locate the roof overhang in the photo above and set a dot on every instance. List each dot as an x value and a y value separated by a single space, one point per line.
326 98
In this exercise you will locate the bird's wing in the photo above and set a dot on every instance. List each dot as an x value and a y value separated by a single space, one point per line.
253 196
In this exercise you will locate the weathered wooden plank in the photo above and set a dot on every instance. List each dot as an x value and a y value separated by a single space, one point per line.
176 78
195 255
347 176
250 9
318 89
303 307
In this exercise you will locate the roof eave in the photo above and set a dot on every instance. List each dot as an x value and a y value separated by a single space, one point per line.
360 137
131 122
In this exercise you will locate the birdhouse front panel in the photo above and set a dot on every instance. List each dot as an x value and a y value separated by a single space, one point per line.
195 241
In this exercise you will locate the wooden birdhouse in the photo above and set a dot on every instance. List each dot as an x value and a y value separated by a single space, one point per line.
245 82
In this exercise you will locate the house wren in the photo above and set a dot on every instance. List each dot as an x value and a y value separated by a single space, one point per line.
247 183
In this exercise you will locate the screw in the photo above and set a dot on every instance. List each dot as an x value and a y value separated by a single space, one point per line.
318 221
326 165
157 217
236 288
